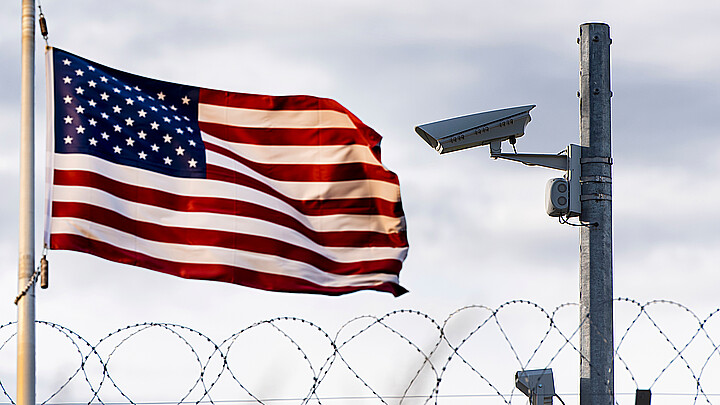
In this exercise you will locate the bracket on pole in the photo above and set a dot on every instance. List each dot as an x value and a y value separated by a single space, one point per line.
567 161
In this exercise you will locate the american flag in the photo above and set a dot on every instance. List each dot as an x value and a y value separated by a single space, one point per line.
277 193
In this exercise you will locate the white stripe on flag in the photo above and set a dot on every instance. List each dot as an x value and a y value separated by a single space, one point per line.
258 262
251 118
193 187
293 154
296 190
317 190
221 222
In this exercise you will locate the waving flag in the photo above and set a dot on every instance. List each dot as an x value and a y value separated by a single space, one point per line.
277 193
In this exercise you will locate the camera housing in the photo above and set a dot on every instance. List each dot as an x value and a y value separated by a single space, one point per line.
557 197
494 127
537 385
475 129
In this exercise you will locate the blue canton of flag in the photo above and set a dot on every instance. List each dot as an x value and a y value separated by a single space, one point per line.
127 119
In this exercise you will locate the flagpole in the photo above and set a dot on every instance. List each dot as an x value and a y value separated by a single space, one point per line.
26 240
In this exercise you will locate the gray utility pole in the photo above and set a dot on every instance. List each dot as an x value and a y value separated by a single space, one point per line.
596 272
594 205
26 302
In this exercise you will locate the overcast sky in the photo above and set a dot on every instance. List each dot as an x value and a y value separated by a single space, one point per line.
477 227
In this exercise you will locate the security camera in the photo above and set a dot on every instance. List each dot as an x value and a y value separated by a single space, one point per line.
476 129
494 127
557 197
538 385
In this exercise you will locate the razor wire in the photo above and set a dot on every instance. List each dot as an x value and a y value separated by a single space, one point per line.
444 362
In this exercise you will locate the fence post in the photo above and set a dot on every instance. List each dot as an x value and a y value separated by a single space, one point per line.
596 274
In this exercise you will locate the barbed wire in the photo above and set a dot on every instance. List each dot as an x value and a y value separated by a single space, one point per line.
450 357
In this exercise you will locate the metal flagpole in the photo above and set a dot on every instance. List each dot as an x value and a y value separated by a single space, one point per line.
26 302
596 272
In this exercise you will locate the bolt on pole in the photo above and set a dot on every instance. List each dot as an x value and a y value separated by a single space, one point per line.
596 259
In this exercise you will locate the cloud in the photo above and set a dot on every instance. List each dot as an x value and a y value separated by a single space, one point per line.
477 227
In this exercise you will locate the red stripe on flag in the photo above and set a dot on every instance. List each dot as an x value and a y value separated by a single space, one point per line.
285 136
263 102
225 273
222 239
359 206
295 103
311 172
